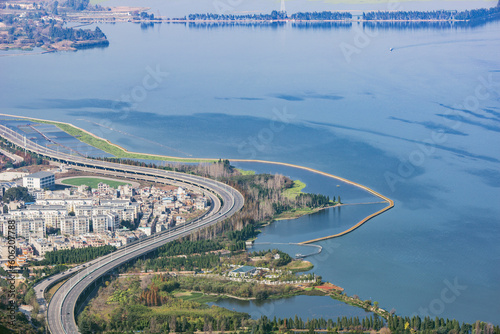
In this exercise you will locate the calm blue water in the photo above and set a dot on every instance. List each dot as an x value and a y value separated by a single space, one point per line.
419 124
313 307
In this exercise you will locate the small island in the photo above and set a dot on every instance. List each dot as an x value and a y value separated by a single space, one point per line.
25 25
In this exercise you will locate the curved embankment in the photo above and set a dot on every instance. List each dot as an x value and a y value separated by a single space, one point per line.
371 191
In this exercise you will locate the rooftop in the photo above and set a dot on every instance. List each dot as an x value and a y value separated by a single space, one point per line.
40 175
243 269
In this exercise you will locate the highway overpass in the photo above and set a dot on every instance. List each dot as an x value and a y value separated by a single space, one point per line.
61 310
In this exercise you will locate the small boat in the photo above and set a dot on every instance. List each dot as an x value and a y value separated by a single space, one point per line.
391 49
298 255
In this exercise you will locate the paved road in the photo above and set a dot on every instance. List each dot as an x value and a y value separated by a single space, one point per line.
225 202
14 157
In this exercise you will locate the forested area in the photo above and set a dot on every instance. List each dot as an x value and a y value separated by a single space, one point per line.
126 311
71 34
177 247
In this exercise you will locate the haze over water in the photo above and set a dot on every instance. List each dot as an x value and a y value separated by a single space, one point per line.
393 121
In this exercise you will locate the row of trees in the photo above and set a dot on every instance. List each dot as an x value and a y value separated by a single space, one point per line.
177 247
326 15
78 255
182 263
275 15
400 324
394 324
433 15
425 25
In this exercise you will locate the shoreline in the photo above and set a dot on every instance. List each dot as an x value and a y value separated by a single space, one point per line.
177 159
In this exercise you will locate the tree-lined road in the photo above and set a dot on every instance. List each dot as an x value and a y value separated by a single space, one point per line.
225 202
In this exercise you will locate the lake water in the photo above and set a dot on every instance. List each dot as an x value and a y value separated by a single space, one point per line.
419 124
312 307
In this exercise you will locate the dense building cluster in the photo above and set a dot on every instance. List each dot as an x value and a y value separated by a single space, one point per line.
76 217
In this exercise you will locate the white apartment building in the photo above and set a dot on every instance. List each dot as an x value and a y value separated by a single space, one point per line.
41 246
72 225
26 227
105 222
52 215
40 180
69 203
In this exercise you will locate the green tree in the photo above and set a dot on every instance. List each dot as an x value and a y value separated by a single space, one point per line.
30 296
17 194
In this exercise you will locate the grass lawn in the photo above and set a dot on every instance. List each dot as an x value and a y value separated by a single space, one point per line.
295 213
92 182
246 172
196 297
295 190
299 266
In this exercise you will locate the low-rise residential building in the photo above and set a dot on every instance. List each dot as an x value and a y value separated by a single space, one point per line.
40 180
242 271
41 246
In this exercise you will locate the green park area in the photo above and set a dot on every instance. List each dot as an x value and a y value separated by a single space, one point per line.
295 190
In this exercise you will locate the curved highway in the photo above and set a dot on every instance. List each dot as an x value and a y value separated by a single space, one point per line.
61 310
